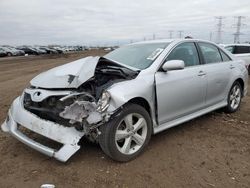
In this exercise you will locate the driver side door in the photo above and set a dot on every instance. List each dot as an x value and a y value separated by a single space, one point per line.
181 92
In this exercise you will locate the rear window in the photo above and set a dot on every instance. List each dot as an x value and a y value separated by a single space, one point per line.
210 53
224 56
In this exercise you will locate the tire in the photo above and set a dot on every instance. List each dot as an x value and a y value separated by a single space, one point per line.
234 98
9 54
120 132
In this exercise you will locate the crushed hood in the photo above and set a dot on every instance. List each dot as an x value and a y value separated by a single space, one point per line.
70 75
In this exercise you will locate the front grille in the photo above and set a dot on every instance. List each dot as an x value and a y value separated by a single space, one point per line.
47 109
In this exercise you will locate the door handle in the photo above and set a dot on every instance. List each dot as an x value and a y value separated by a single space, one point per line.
201 73
232 67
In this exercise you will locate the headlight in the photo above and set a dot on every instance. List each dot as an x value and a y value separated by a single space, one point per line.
103 102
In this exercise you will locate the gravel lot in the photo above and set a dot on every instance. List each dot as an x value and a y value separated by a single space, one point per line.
210 151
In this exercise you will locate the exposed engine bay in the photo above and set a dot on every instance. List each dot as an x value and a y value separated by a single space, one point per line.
84 107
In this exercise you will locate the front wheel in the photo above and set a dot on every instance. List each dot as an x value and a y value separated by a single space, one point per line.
234 98
126 136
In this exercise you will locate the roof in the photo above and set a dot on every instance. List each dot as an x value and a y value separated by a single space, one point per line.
170 41
243 44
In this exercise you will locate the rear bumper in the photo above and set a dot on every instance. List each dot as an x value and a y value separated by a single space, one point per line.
68 136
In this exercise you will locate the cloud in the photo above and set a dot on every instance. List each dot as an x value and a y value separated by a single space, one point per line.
114 21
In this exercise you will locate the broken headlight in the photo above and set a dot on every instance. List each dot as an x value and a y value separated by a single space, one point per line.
103 102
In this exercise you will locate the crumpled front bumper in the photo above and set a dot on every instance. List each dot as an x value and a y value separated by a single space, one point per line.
67 136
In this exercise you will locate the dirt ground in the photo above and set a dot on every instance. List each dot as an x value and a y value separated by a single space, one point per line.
210 151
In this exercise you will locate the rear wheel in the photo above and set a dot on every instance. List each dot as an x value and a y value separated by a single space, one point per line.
9 54
234 98
126 136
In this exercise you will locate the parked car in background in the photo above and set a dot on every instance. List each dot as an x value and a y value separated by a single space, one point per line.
11 51
16 51
40 51
58 49
242 51
121 99
3 53
49 50
29 50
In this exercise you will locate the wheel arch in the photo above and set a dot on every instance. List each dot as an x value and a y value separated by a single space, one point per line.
141 102
241 82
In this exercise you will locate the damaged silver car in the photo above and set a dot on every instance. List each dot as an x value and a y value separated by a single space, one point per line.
121 99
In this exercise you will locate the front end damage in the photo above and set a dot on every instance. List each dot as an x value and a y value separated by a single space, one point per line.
65 115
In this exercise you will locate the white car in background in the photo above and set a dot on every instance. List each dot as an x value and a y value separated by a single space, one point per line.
241 51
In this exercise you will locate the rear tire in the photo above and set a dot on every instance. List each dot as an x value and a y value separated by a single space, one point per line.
125 137
234 98
9 54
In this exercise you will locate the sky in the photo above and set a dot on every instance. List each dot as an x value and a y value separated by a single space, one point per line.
116 22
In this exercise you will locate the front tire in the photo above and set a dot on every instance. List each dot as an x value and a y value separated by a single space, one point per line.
125 137
234 98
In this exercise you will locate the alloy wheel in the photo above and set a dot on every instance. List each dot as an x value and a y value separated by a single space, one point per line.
131 133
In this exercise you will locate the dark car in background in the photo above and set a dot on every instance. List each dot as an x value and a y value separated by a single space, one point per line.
29 50
58 49
40 51
49 50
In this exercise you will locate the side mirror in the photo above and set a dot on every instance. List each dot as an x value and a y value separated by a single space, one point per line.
173 65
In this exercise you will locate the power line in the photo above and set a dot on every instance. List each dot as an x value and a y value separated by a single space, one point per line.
219 28
238 27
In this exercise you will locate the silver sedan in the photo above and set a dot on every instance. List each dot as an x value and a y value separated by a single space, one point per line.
121 99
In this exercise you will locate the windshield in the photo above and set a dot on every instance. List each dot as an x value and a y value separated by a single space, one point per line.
139 56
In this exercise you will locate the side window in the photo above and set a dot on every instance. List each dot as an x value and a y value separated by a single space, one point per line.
224 56
210 53
186 52
242 49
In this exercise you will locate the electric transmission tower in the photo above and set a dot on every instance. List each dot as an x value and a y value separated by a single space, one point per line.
238 27
219 29
180 34
170 34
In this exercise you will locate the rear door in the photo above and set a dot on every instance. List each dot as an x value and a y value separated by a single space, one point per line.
181 92
218 72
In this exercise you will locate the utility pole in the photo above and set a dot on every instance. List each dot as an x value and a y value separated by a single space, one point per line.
210 35
238 27
154 37
180 34
170 33
219 28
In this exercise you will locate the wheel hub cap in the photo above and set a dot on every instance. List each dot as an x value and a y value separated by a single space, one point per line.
235 97
131 133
